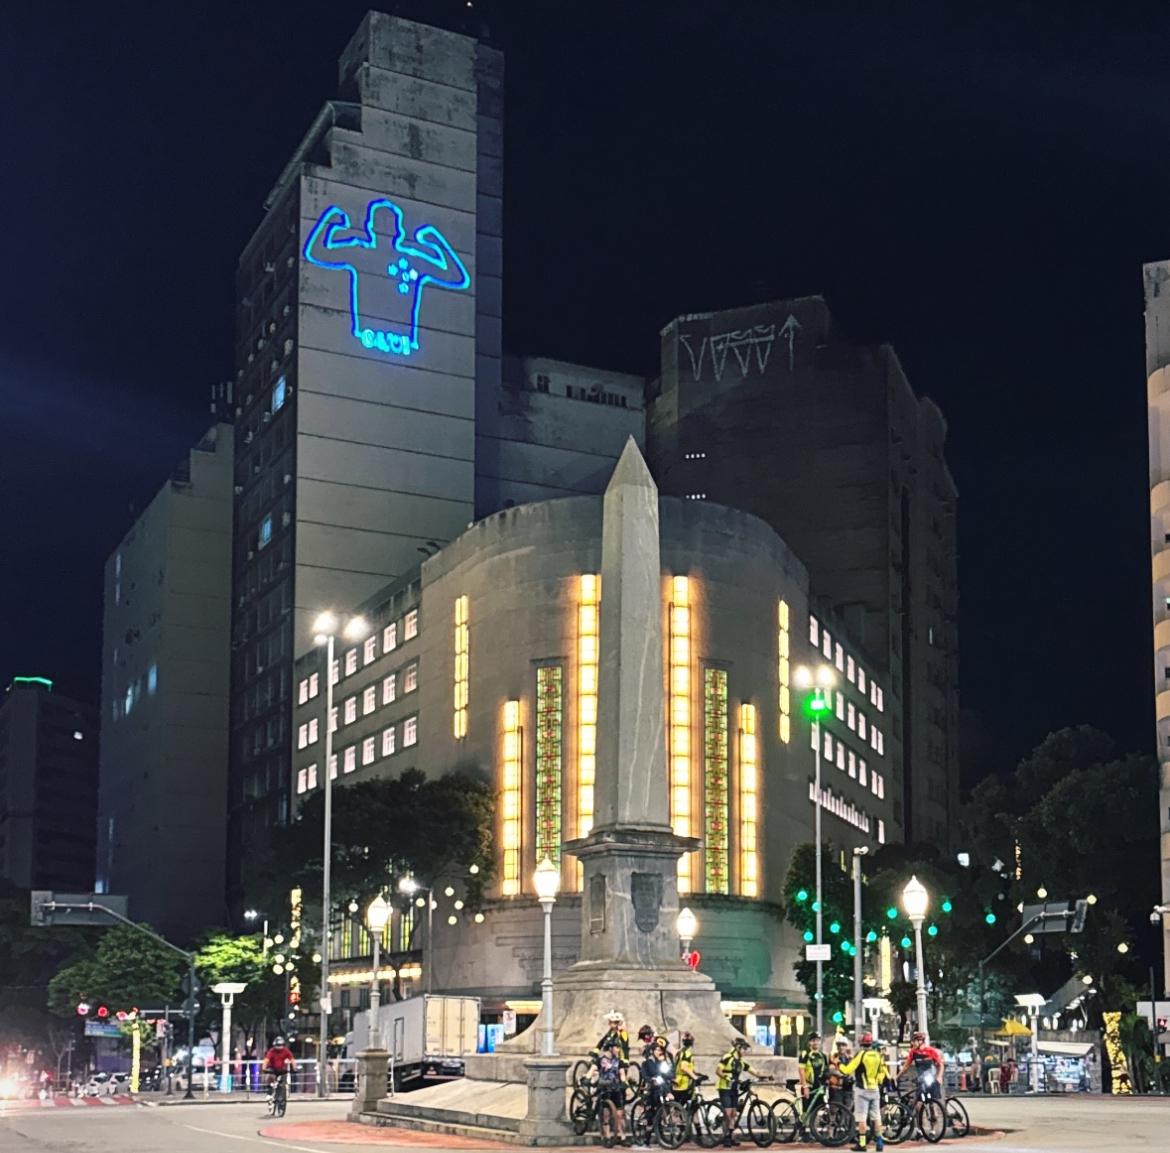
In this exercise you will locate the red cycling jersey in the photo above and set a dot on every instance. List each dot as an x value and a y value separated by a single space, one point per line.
923 1055
279 1060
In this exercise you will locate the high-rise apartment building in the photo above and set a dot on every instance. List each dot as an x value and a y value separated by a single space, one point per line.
164 740
1157 293
770 409
48 786
369 303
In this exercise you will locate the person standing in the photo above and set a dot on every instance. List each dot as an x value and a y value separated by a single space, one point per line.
732 1066
840 1082
684 1068
868 1069
611 1086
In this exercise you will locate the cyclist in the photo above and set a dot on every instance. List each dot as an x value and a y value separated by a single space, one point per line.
658 1076
840 1083
611 1076
646 1039
732 1065
684 1068
868 1069
615 1032
928 1066
279 1061
813 1066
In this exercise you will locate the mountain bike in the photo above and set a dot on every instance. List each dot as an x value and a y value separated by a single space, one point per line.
588 1107
278 1096
828 1122
958 1122
753 1118
668 1122
916 1112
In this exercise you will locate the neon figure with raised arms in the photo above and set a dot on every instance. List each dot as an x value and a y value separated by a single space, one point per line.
393 268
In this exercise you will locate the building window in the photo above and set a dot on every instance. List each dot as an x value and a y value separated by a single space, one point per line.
265 537
828 747
279 395
850 669
313 724
716 782
462 667
368 751
827 644
840 756
840 807
302 738
390 637
410 625
314 685
852 763
784 669
389 688
335 671
749 861
814 631
333 767
302 780
350 759
350 710
877 697
861 680
862 771
351 659
839 657
511 759
851 714
588 641
680 720
369 650
312 776
409 732
410 678
862 725
388 741
881 831
303 691
840 706
369 700
333 719
549 764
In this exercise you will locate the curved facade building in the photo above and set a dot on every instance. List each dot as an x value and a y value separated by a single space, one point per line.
502 663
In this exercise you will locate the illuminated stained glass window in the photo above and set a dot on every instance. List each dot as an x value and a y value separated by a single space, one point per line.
588 655
461 667
749 801
785 673
510 768
716 788
549 733
680 720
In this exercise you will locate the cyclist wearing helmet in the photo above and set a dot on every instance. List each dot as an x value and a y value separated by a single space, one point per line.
869 1070
813 1066
928 1066
279 1061
684 1068
731 1067
615 1032
646 1037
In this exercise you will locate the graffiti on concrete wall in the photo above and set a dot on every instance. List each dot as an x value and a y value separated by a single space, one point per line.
749 349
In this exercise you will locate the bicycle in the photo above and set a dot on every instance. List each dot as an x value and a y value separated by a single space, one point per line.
669 1123
827 1122
699 1130
582 1076
278 1096
753 1118
958 1121
587 1106
915 1112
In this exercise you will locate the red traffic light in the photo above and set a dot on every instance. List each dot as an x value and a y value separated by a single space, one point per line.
103 1012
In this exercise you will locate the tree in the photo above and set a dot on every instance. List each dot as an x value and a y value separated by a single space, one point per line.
128 970
224 957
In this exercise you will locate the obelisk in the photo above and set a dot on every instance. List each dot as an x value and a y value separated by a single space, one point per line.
630 957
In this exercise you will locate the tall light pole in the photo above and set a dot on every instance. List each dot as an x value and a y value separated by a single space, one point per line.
227 991
816 705
858 1017
915 901
546 881
252 915
325 627
686 924
377 916
410 886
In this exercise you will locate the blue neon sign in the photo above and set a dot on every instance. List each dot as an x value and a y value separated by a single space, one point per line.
392 267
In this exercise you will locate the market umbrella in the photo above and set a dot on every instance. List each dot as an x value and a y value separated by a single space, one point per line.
1013 1028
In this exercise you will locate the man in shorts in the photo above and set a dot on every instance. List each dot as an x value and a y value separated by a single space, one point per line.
869 1073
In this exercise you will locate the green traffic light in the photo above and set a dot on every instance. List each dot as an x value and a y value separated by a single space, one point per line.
946 905
905 942
808 934
802 895
892 913
990 918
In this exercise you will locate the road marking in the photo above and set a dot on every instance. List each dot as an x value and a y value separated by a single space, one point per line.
258 1140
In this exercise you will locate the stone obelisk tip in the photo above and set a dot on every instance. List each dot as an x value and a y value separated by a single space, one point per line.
631 469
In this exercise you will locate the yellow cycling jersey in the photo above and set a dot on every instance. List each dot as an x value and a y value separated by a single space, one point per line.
684 1069
868 1067
731 1067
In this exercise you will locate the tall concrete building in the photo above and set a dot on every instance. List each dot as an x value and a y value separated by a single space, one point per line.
48 787
368 318
1157 295
165 657
770 409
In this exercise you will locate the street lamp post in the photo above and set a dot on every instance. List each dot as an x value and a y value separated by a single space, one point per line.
916 900
325 629
227 991
410 886
858 1013
817 704
687 925
376 917
547 881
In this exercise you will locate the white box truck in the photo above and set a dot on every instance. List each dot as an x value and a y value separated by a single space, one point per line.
427 1036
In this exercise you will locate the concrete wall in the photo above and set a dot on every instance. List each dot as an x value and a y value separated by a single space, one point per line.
162 799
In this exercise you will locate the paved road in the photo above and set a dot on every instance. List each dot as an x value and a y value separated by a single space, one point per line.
1032 1126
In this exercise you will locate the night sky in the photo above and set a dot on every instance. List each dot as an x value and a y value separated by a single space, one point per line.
978 185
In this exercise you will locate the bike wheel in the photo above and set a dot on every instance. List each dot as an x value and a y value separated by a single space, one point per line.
281 1100
582 1071
785 1121
607 1123
580 1111
670 1126
714 1124
958 1122
700 1130
896 1121
639 1122
760 1126
830 1124
932 1121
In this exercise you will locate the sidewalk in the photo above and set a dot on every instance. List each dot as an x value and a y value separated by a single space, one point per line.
214 1097
347 1133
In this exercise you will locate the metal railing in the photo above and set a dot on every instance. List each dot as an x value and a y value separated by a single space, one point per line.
248 1079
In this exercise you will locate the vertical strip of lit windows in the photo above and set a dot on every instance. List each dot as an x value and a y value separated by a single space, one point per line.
549 720
716 787
680 720
785 673
510 766
588 655
461 667
749 801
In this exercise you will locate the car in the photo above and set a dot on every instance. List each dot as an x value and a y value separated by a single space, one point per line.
96 1086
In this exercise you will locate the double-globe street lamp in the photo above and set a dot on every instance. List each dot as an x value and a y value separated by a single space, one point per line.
915 901
326 628
547 882
820 680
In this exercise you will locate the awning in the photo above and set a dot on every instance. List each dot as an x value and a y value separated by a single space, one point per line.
1065 1048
